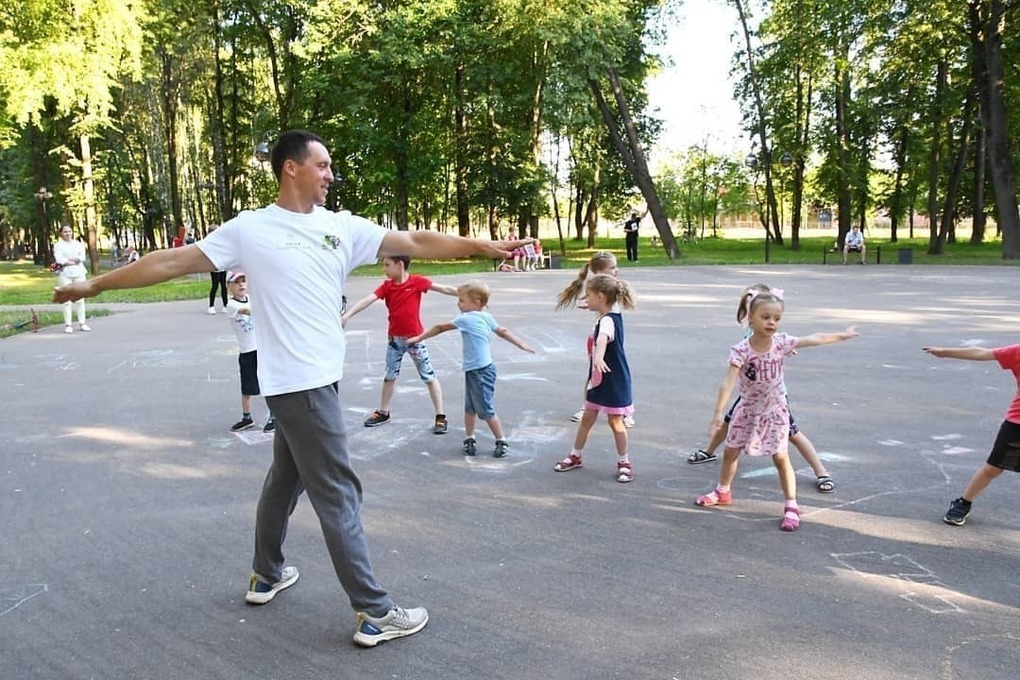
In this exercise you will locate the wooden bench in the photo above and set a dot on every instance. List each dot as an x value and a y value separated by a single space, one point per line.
838 254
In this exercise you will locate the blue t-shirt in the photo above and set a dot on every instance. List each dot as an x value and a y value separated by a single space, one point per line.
476 333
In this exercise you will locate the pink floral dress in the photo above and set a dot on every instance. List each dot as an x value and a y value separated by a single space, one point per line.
760 425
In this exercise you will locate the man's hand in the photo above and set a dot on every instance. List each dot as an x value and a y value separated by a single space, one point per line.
73 292
503 249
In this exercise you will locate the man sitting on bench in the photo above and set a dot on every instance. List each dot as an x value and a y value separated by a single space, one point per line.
854 242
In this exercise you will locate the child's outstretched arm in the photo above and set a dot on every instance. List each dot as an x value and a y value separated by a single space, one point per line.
816 339
512 339
445 290
431 333
725 390
358 306
971 353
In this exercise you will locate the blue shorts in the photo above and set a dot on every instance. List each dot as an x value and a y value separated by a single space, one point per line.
479 390
395 350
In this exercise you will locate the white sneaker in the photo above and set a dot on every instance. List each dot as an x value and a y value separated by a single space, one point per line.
84 327
576 418
212 310
397 623
68 329
260 592
628 421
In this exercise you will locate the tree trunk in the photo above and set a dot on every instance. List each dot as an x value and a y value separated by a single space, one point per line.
168 92
979 219
842 83
633 156
986 17
89 197
956 177
935 115
896 200
460 153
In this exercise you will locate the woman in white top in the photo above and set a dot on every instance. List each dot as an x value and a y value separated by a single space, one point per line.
70 257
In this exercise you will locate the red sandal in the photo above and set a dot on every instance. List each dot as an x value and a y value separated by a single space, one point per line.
569 463
624 472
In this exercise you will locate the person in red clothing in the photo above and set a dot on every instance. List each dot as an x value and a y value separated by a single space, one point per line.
1005 453
402 293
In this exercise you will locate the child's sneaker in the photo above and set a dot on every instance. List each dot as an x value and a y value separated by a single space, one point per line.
397 623
244 423
576 418
628 421
624 472
440 426
260 592
957 513
469 447
377 418
502 448
569 463
270 425
714 497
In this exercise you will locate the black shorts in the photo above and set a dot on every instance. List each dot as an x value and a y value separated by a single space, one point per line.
249 365
1006 450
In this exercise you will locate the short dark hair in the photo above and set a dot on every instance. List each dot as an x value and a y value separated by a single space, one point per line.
401 258
292 145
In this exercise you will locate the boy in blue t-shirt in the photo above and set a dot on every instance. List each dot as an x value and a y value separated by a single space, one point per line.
476 327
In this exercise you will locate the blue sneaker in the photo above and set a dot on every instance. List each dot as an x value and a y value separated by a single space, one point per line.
260 592
397 623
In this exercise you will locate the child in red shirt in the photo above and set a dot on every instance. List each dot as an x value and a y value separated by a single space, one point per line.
1005 453
402 293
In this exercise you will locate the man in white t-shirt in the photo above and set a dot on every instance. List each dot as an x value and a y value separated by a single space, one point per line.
854 243
297 255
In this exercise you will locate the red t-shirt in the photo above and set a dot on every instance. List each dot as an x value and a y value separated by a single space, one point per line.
403 300
1009 359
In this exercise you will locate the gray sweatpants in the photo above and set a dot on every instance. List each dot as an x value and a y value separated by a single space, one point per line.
310 454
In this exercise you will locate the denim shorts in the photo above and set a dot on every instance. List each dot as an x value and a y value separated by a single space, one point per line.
395 350
479 390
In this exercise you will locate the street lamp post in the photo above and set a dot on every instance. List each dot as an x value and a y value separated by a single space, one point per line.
42 196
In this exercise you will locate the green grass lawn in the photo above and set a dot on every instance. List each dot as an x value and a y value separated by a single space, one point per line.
22 283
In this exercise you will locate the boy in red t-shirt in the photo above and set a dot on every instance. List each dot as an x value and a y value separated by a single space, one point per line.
402 294
1005 453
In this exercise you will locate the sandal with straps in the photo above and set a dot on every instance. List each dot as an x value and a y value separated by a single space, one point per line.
825 484
791 519
569 463
701 456
624 472
714 497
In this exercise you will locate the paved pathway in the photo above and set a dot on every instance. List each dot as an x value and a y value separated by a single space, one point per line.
128 506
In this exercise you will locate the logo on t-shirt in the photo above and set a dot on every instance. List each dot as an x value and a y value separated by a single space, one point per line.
330 242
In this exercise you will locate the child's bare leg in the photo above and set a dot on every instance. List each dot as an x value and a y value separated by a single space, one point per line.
809 454
728 469
619 434
245 403
436 395
583 428
981 479
496 427
787 477
469 425
718 438
387 394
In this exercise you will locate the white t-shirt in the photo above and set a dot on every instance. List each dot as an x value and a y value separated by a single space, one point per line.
243 324
69 250
295 264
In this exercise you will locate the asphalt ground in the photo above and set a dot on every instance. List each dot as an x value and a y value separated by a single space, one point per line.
128 506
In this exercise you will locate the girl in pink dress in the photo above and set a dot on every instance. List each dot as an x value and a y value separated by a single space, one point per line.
760 425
